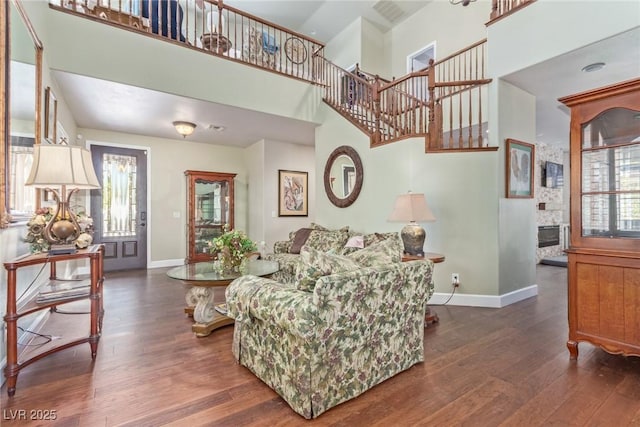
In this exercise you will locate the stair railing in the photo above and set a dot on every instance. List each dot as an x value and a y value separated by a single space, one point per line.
404 107
444 102
460 101
351 95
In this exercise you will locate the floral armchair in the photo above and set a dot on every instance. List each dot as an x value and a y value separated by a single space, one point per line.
320 347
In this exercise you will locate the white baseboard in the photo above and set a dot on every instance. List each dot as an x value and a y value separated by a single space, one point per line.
490 301
166 263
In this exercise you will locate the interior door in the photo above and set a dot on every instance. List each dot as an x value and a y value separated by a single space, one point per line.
119 207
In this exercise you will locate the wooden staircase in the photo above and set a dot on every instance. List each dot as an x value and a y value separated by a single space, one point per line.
442 103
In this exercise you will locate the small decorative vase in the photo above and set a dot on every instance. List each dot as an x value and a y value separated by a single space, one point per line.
230 263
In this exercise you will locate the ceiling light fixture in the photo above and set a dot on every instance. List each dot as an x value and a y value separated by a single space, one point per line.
596 66
184 128
464 2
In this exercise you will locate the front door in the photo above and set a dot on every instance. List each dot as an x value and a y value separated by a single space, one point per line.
119 207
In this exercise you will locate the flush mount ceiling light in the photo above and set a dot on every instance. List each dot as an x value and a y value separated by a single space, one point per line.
464 2
596 66
184 128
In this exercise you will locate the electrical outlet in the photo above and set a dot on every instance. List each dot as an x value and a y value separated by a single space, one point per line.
455 280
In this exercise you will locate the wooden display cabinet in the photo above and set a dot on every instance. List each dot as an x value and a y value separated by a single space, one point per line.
210 200
18 308
604 252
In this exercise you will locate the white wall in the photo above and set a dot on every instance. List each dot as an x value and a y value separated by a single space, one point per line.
375 56
459 187
452 27
549 28
517 231
254 156
285 156
345 49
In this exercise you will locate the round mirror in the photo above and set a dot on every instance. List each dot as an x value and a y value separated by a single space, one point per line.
343 176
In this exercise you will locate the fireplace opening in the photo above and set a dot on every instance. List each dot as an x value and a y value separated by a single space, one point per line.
548 235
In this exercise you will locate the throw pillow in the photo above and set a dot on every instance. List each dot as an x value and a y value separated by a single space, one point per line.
314 264
384 252
353 244
373 238
299 239
326 240
319 227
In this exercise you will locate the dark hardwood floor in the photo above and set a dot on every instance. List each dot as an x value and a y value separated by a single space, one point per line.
483 367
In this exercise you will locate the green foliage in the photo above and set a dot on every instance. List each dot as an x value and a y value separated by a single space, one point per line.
231 248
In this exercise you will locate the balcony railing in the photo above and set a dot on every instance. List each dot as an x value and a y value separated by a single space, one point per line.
209 26
502 8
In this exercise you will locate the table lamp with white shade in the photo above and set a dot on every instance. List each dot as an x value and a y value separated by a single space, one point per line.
62 166
412 208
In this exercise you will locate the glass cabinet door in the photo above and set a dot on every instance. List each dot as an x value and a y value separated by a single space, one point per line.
610 195
210 211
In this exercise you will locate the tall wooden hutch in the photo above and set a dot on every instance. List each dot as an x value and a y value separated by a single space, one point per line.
604 253
209 208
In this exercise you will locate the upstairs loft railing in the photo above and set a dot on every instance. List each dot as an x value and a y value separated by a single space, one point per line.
460 100
502 8
445 103
209 26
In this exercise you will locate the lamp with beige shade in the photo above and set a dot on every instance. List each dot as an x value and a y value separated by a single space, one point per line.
62 166
412 208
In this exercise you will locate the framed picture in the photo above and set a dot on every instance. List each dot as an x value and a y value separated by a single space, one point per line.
50 115
520 160
293 197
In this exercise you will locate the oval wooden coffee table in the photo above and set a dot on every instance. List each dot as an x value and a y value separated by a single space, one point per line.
203 277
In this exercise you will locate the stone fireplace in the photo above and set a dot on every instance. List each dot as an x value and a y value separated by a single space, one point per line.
548 235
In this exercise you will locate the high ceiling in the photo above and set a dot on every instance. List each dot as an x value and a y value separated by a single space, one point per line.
154 111
100 104
322 20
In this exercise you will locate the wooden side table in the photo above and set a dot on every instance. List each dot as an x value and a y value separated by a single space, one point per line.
18 307
429 316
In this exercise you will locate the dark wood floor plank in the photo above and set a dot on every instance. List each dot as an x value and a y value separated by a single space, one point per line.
483 367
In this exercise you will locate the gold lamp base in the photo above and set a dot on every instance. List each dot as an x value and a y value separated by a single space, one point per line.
413 237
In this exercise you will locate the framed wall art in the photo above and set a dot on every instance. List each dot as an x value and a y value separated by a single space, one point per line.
519 169
293 193
50 115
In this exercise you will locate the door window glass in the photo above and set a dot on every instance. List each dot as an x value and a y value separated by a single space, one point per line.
119 210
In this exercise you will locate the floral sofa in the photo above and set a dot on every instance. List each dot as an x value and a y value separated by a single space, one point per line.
341 241
341 325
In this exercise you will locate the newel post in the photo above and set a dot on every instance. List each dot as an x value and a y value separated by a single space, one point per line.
432 128
377 137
